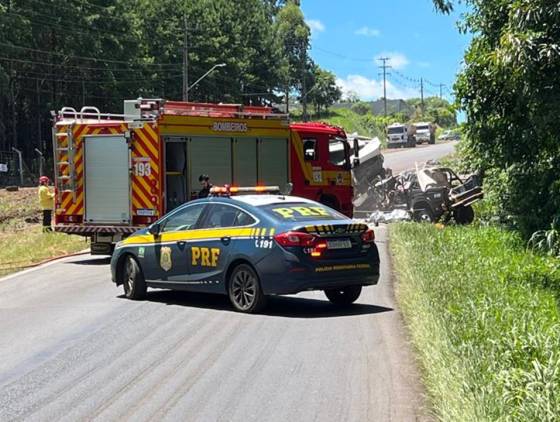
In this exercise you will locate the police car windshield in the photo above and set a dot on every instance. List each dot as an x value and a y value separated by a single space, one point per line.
301 211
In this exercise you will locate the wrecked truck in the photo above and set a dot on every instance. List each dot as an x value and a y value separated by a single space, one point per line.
430 193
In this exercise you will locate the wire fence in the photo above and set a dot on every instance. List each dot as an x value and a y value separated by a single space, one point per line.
12 175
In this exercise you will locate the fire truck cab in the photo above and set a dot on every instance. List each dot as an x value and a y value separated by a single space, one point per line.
115 174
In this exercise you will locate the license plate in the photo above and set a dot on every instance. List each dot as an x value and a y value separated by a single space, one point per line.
339 244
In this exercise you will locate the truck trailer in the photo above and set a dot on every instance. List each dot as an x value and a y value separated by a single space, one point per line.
117 173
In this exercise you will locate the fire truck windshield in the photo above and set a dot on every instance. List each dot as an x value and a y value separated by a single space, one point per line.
339 152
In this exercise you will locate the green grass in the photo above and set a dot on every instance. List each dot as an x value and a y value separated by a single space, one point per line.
22 242
350 121
483 316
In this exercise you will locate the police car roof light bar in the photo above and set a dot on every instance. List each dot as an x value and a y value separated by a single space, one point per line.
227 190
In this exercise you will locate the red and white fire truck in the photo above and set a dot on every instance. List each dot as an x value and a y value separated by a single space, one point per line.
115 174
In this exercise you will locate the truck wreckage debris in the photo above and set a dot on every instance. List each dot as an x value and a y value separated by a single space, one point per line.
430 193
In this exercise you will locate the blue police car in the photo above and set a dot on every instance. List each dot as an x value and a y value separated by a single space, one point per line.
248 247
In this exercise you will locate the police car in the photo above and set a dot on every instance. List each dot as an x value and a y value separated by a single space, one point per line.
248 247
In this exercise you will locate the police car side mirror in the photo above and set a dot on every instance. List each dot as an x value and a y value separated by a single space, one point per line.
154 229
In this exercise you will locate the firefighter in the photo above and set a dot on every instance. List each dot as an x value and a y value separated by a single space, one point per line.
46 202
204 180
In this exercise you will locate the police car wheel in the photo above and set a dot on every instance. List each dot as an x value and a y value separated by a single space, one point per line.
133 282
244 290
344 296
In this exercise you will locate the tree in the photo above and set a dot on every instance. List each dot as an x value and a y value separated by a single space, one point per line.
361 108
510 90
324 91
292 34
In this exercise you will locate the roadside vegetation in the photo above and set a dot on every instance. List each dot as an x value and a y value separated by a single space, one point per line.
22 241
483 315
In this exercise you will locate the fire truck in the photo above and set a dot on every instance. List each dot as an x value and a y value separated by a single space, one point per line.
115 174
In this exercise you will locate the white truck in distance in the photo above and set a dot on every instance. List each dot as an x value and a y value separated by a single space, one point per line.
425 132
401 135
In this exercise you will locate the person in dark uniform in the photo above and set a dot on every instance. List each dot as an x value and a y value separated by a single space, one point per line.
204 180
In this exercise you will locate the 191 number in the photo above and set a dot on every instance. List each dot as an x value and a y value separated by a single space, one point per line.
142 169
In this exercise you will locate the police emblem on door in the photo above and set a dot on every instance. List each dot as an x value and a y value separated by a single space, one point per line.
165 258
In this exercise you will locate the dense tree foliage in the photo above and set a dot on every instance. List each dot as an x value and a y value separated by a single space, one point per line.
435 109
323 92
56 53
510 89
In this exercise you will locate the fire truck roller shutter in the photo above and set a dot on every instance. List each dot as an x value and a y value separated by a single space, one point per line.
107 180
273 162
245 161
211 156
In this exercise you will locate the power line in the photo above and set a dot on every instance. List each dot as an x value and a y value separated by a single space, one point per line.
117 81
108 69
85 58
342 56
70 29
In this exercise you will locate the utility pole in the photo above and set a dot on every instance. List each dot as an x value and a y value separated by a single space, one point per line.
303 86
422 96
185 60
441 90
384 66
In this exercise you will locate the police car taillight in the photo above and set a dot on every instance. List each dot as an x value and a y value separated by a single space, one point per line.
295 239
368 236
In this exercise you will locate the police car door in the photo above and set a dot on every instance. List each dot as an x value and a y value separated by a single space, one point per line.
209 256
168 260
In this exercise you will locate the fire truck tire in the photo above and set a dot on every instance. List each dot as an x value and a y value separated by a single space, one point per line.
344 296
464 215
133 280
244 289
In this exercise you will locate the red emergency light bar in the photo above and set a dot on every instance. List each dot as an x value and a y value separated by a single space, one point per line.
231 190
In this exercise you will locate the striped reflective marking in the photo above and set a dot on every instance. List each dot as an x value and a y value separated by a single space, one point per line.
332 229
198 235
146 187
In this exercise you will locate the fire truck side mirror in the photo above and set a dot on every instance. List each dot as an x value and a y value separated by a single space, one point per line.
155 229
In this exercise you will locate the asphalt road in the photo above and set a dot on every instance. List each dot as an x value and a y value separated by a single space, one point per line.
72 348
404 159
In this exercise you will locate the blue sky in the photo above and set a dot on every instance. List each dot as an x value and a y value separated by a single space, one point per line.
348 36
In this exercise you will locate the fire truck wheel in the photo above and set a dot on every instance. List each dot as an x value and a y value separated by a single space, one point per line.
344 296
133 280
244 290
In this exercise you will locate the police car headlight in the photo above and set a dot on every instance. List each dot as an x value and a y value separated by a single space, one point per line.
119 244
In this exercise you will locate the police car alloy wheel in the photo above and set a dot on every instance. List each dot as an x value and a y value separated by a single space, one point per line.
134 283
344 295
244 289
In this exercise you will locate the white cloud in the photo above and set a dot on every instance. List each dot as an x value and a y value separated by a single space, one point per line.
366 31
315 25
396 60
372 89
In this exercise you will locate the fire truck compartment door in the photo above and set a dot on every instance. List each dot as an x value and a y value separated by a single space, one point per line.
211 156
273 162
107 180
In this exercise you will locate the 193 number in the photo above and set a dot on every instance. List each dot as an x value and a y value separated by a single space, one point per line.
142 169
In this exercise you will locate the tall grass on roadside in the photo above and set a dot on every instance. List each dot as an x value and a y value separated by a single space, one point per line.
483 316
23 248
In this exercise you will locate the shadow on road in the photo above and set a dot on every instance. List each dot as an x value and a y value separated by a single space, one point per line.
92 261
278 306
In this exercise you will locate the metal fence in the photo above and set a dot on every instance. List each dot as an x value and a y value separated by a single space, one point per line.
10 174
10 170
